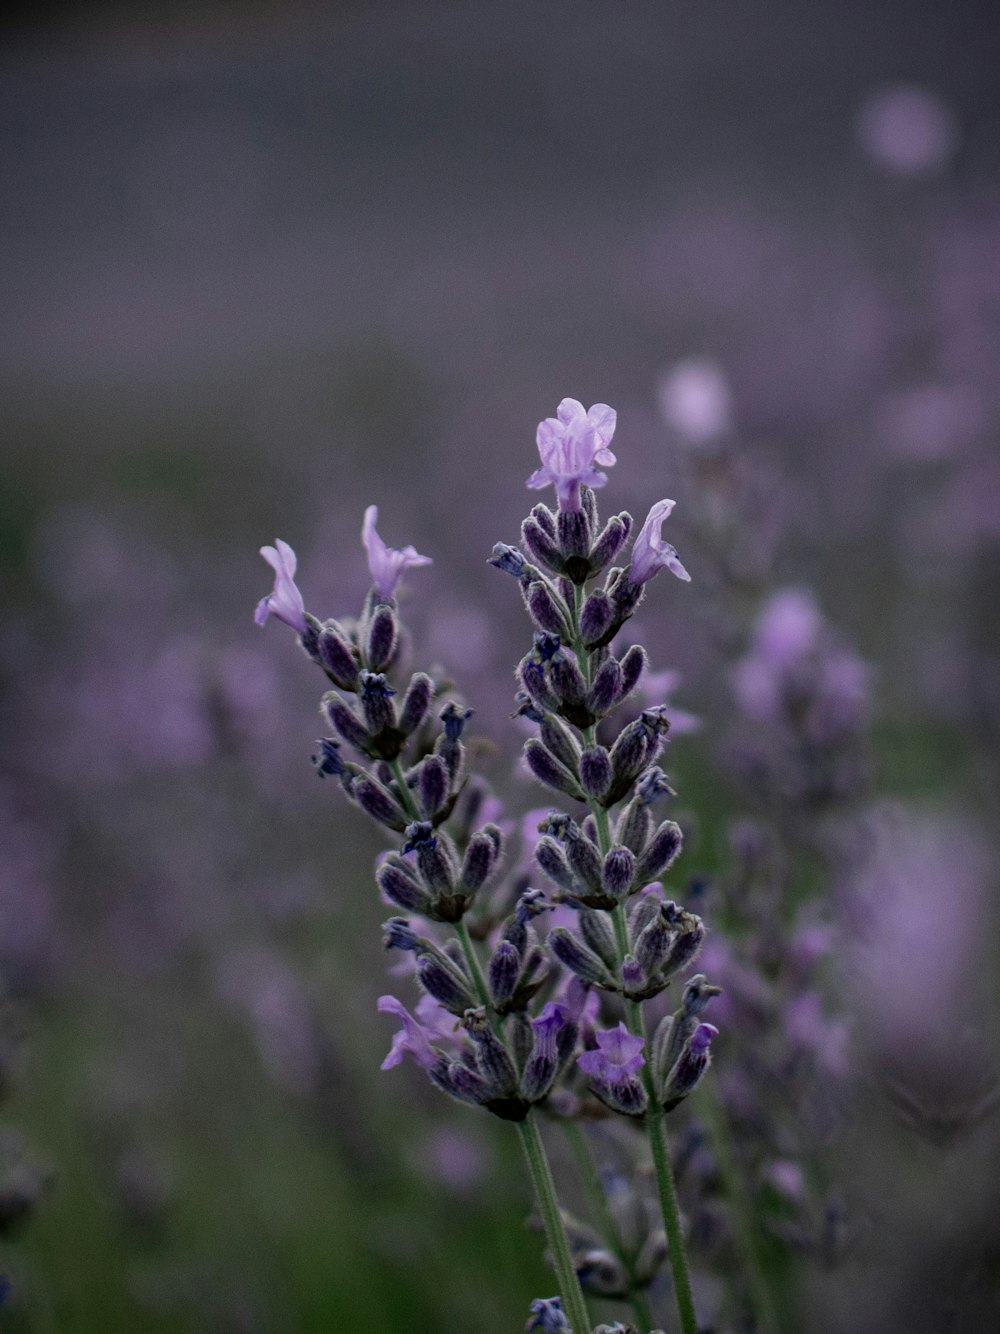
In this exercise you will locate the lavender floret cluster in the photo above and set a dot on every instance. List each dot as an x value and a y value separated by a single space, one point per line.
532 995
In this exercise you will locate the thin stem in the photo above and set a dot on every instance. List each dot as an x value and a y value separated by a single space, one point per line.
580 1145
405 795
555 1233
677 1253
746 1234
472 959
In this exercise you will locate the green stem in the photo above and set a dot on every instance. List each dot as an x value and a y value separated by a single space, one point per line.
405 795
677 1253
555 1233
472 959
580 1145
746 1233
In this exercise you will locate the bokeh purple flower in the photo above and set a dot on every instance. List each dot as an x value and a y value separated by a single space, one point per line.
387 564
411 1040
650 554
570 444
285 601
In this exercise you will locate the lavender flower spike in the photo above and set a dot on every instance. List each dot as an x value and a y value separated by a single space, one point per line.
570 444
650 553
386 563
410 1040
286 600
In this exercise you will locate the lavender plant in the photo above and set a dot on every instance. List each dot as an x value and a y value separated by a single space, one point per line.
534 1002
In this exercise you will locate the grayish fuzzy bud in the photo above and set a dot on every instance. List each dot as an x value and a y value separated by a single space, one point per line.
635 826
606 689
629 756
462 1083
416 703
383 633
574 535
544 517
617 873
521 1037
547 613
336 657
595 927
566 681
647 906
609 542
508 558
558 738
445 984
478 862
660 853
531 674
633 974
505 966
655 940
595 619
691 1065
548 770
432 785
435 867
376 701
551 858
687 945
595 772
584 858
375 801
634 663
541 545
398 883
578 957
344 721
492 1057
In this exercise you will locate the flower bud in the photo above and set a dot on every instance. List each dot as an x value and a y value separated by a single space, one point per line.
584 858
660 853
544 517
478 862
574 535
633 974
691 1065
653 943
547 1317
377 802
634 663
336 656
541 545
617 873
545 611
445 984
383 634
327 760
344 721
376 701
548 770
578 957
462 1083
567 683
416 703
687 945
606 689
595 619
560 741
531 674
435 865
595 772
505 967
552 860
432 785
492 1058
544 1060
508 559
634 826
398 883
609 542
596 931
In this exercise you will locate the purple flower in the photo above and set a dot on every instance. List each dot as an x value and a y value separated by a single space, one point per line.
386 563
650 553
570 444
549 1024
549 1317
619 1054
411 1040
286 600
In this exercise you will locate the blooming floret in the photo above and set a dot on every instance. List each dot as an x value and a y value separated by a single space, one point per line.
286 600
386 563
570 444
650 553
411 1040
619 1054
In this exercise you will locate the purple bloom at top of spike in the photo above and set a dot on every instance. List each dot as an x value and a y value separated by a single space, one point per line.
650 553
570 444
411 1040
286 600
386 563
619 1054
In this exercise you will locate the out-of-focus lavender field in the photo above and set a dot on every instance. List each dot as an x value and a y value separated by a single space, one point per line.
265 265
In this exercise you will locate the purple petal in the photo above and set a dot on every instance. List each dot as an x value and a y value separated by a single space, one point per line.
285 601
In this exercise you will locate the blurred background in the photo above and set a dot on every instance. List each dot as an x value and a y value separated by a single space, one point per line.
267 264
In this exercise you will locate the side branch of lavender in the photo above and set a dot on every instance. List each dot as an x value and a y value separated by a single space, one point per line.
506 1017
